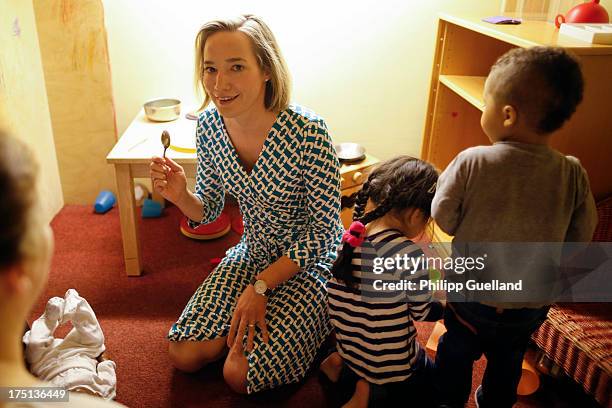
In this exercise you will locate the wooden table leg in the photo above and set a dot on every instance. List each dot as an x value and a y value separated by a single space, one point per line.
127 215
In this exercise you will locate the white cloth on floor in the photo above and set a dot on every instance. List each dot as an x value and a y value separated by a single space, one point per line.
70 362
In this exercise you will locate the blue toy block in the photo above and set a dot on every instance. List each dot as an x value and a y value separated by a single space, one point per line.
151 208
104 202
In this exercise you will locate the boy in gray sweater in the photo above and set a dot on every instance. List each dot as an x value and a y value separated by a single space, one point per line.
518 189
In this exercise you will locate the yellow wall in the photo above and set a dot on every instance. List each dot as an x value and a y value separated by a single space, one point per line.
364 66
78 81
23 100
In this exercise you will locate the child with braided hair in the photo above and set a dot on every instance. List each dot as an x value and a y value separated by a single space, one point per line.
376 348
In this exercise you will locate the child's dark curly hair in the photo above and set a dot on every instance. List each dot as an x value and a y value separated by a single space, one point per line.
394 185
544 83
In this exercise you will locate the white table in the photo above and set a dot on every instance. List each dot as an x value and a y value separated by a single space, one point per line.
131 157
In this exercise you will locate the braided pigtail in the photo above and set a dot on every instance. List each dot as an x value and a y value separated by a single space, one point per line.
342 269
361 201
382 209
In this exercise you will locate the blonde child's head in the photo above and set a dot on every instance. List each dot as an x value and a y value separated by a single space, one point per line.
531 90
400 189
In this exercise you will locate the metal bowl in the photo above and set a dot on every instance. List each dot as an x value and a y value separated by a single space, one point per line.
350 152
163 110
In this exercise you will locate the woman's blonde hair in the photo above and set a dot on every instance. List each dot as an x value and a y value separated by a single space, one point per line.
266 50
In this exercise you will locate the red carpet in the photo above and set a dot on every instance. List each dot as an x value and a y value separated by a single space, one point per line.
135 313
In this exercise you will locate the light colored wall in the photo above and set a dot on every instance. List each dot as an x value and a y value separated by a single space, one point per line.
78 81
23 101
365 66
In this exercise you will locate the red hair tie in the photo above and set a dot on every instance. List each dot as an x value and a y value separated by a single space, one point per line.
355 234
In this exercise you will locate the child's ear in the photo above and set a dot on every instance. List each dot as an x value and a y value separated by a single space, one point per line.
416 216
510 115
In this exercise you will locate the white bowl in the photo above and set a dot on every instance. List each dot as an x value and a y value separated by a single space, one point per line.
163 110
350 152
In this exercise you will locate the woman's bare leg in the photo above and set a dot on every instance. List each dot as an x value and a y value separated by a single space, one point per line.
190 356
236 368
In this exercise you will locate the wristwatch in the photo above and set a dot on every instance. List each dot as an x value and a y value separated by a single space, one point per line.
261 287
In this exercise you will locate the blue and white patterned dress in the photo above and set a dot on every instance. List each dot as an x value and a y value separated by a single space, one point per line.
290 203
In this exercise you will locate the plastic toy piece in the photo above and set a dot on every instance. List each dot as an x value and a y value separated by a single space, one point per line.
434 337
530 380
151 209
141 192
591 33
104 202
502 20
213 230
589 12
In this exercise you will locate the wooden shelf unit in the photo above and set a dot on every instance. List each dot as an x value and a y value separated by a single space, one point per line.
465 51
468 87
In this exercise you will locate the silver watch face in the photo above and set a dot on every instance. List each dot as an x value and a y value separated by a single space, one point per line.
260 287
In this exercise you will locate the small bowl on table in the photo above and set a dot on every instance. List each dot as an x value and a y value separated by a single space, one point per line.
163 109
350 153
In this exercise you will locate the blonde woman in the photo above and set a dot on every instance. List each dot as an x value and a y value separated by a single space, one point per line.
265 304
26 245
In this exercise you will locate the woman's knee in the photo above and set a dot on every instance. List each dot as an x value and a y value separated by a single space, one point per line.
235 372
190 356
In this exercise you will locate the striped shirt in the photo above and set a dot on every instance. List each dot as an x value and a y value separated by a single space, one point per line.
374 329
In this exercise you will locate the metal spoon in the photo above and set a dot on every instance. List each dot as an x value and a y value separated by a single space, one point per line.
165 139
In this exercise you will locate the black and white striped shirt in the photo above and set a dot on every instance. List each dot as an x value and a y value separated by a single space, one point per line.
374 329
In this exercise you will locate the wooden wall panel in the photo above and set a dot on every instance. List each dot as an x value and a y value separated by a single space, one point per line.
77 73
23 100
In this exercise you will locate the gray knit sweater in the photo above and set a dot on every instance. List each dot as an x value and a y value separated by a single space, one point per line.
515 192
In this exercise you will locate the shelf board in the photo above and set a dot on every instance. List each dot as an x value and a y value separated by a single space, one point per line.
528 34
469 88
